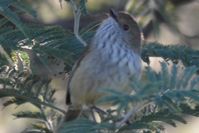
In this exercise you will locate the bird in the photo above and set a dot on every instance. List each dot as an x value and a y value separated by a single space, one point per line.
110 60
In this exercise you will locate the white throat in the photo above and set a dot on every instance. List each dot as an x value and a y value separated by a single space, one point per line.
109 31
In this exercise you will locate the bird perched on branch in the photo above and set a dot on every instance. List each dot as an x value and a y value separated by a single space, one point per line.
110 61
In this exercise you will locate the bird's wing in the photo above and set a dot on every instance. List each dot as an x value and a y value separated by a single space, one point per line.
68 96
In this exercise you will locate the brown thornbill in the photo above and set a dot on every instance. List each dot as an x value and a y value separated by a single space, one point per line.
109 61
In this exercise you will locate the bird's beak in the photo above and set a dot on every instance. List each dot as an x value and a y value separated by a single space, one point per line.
113 14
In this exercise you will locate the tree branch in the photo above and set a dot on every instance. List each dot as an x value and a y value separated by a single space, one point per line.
77 15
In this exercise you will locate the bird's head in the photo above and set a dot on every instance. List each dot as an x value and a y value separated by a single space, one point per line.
120 26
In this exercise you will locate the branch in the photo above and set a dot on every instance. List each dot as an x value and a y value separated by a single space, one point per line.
132 113
175 53
77 14
33 100
5 54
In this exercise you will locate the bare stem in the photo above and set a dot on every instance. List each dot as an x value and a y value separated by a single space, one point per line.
77 14
47 121
131 113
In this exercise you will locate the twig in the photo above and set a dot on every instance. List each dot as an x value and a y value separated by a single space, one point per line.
77 15
3 53
131 113
47 121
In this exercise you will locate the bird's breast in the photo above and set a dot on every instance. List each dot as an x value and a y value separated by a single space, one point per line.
108 68
122 64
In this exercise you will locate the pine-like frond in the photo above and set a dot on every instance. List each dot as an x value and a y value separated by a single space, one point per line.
164 97
175 53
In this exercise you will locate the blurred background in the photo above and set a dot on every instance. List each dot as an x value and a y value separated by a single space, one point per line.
169 22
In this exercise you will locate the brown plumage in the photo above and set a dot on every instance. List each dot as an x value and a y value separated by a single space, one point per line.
110 60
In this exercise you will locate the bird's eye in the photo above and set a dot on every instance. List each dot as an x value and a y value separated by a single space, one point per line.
125 27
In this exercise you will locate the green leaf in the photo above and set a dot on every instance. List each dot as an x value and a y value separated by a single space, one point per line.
5 4
173 77
29 114
25 7
188 74
80 125
35 101
13 17
83 7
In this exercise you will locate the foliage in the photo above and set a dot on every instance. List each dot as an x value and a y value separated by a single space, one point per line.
22 88
175 53
165 97
162 97
153 13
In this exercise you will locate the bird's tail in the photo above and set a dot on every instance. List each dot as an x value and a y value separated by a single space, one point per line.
72 114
